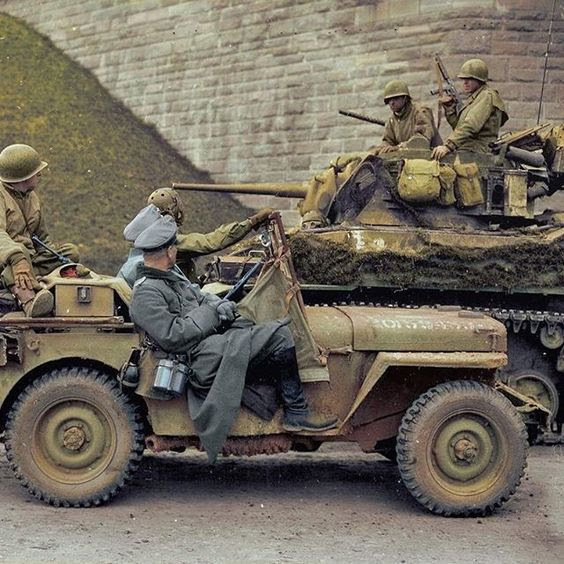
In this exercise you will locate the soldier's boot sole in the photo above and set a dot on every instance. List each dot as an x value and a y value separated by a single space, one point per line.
295 425
41 305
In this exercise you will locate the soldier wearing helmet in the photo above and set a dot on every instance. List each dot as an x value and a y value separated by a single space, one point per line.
189 245
411 123
21 260
476 124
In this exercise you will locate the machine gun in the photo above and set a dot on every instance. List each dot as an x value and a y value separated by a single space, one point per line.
59 256
362 117
445 85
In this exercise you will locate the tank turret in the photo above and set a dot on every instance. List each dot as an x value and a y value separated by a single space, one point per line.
405 187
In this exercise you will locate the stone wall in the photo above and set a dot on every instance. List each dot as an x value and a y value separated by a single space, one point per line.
249 90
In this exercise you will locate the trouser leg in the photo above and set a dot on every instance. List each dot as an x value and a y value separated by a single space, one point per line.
289 383
44 262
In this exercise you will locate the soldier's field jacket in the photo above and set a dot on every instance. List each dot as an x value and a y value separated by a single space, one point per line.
191 246
413 120
478 122
20 218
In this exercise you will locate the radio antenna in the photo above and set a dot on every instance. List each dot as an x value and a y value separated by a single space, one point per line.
546 55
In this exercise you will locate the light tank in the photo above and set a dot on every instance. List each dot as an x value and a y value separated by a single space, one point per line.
468 232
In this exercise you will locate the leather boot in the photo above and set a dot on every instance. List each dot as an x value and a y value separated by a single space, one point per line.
35 304
297 415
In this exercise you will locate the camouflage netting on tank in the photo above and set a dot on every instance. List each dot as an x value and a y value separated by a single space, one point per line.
319 261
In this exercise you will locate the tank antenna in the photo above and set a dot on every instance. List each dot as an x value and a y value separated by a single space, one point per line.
546 55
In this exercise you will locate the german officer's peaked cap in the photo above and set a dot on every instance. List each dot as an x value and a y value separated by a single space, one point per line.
147 216
159 235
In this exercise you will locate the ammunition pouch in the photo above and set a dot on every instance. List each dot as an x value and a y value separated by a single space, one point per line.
447 178
425 181
468 187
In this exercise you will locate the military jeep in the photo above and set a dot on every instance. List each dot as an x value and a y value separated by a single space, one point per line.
417 385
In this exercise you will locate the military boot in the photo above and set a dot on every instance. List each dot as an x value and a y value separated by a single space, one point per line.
35 304
297 415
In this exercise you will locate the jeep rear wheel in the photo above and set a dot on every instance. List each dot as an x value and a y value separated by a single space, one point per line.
462 449
73 438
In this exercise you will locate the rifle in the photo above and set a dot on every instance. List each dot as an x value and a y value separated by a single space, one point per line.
445 85
266 242
362 117
38 241
243 280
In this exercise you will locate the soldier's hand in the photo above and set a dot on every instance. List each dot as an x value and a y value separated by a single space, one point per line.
440 152
260 217
226 310
23 275
387 149
446 100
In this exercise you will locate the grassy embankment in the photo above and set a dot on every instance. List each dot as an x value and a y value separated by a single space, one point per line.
103 161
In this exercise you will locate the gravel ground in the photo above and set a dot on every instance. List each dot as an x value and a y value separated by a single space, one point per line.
336 505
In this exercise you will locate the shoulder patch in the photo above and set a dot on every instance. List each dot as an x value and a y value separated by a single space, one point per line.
139 281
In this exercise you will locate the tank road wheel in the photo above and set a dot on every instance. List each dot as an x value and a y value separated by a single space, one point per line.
538 386
462 449
73 438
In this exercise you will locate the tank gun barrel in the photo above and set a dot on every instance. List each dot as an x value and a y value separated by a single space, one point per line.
280 189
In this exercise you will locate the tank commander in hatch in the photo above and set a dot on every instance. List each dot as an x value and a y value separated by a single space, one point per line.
410 122
21 218
221 348
190 245
480 117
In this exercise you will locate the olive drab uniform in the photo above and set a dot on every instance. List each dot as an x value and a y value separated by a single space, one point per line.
20 219
190 246
477 123
414 120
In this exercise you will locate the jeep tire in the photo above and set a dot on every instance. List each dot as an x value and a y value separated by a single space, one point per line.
73 438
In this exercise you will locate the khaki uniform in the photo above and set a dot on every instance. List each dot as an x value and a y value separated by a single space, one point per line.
414 120
477 123
20 219
191 246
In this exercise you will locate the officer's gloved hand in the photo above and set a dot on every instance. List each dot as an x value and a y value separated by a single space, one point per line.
226 310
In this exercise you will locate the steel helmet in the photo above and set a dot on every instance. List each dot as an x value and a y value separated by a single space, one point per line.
395 88
19 162
169 202
474 68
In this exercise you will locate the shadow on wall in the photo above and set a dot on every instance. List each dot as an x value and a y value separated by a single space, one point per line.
103 161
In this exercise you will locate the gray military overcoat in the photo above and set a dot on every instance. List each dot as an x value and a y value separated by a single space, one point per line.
182 319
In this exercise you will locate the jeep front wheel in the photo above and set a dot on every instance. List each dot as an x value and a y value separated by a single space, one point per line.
73 438
462 449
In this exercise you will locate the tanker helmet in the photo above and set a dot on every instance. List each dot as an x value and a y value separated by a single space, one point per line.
395 88
474 68
19 162
169 202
